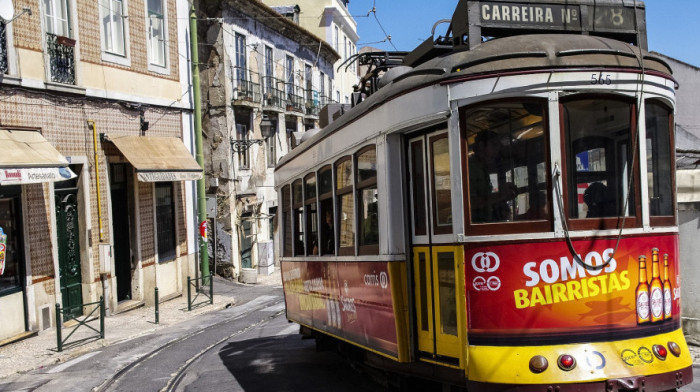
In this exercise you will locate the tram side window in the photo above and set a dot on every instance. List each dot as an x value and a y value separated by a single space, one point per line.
598 135
660 180
345 206
325 190
442 186
287 220
298 217
418 188
507 155
368 201
311 215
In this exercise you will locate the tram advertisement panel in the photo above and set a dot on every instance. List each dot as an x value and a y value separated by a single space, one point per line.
349 300
539 288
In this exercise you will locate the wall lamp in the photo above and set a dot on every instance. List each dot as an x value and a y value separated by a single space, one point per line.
266 128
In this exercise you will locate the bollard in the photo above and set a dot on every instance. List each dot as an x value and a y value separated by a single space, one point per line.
102 317
59 340
156 296
211 289
189 294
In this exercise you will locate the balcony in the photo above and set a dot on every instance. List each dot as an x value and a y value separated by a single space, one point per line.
3 48
295 99
61 58
247 92
274 98
313 104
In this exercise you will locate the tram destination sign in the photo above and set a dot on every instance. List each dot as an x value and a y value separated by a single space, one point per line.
624 20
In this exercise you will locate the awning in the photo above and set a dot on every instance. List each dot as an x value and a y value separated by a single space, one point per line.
159 158
26 157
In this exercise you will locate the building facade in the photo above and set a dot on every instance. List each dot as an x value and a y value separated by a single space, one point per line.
95 200
263 86
332 21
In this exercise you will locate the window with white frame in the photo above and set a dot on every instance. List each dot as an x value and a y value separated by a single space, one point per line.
156 33
112 19
57 14
241 61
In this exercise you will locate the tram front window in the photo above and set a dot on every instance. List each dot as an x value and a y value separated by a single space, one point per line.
506 144
597 135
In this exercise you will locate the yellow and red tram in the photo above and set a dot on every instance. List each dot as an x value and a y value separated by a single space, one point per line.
498 215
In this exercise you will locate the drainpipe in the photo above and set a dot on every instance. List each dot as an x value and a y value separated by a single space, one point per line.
97 177
201 197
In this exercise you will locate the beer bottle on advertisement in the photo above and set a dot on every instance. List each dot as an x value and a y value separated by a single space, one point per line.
656 289
668 300
642 293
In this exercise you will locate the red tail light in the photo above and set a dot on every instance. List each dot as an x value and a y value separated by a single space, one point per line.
566 362
660 351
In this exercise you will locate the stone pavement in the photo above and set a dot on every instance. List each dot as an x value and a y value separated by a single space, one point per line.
41 350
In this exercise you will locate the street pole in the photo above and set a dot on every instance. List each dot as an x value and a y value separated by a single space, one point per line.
201 197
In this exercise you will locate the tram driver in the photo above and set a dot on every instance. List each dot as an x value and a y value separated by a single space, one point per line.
487 205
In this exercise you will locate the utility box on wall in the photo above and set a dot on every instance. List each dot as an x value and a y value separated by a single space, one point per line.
105 255
266 257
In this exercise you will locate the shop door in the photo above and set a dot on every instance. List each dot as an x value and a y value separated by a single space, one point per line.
68 231
120 230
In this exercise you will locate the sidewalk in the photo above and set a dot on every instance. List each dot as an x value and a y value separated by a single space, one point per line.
41 351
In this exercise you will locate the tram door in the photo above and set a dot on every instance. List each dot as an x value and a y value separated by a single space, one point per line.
437 264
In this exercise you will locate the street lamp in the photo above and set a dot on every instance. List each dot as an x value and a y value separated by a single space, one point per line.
266 128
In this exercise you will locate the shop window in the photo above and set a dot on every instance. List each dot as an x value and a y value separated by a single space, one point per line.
598 141
345 207
11 245
165 221
659 162
368 213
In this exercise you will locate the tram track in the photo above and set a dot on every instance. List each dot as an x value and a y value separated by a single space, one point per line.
112 383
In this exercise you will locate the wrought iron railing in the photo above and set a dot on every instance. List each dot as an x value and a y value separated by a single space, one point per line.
61 58
313 104
274 95
247 90
3 48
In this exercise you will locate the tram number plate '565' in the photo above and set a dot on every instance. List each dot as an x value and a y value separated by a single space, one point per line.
601 79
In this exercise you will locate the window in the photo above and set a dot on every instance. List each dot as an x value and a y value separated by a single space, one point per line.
418 188
269 69
287 221
322 87
112 14
311 215
441 184
291 128
507 165
165 221
290 75
4 66
58 17
243 156
272 222
330 89
598 139
345 207
272 146
659 162
308 76
11 266
337 38
325 191
298 217
156 33
241 62
345 48
368 207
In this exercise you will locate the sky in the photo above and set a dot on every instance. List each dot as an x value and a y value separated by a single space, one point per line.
673 27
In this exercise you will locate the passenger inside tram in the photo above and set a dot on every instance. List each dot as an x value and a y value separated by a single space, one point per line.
487 205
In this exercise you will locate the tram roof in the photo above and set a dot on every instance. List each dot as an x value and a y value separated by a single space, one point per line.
523 53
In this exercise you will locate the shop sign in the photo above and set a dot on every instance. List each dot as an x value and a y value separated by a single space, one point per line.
20 176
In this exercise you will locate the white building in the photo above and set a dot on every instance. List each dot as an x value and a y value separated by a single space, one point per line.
263 77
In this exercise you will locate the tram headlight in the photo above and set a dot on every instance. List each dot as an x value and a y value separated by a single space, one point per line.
566 362
674 348
538 364
660 351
